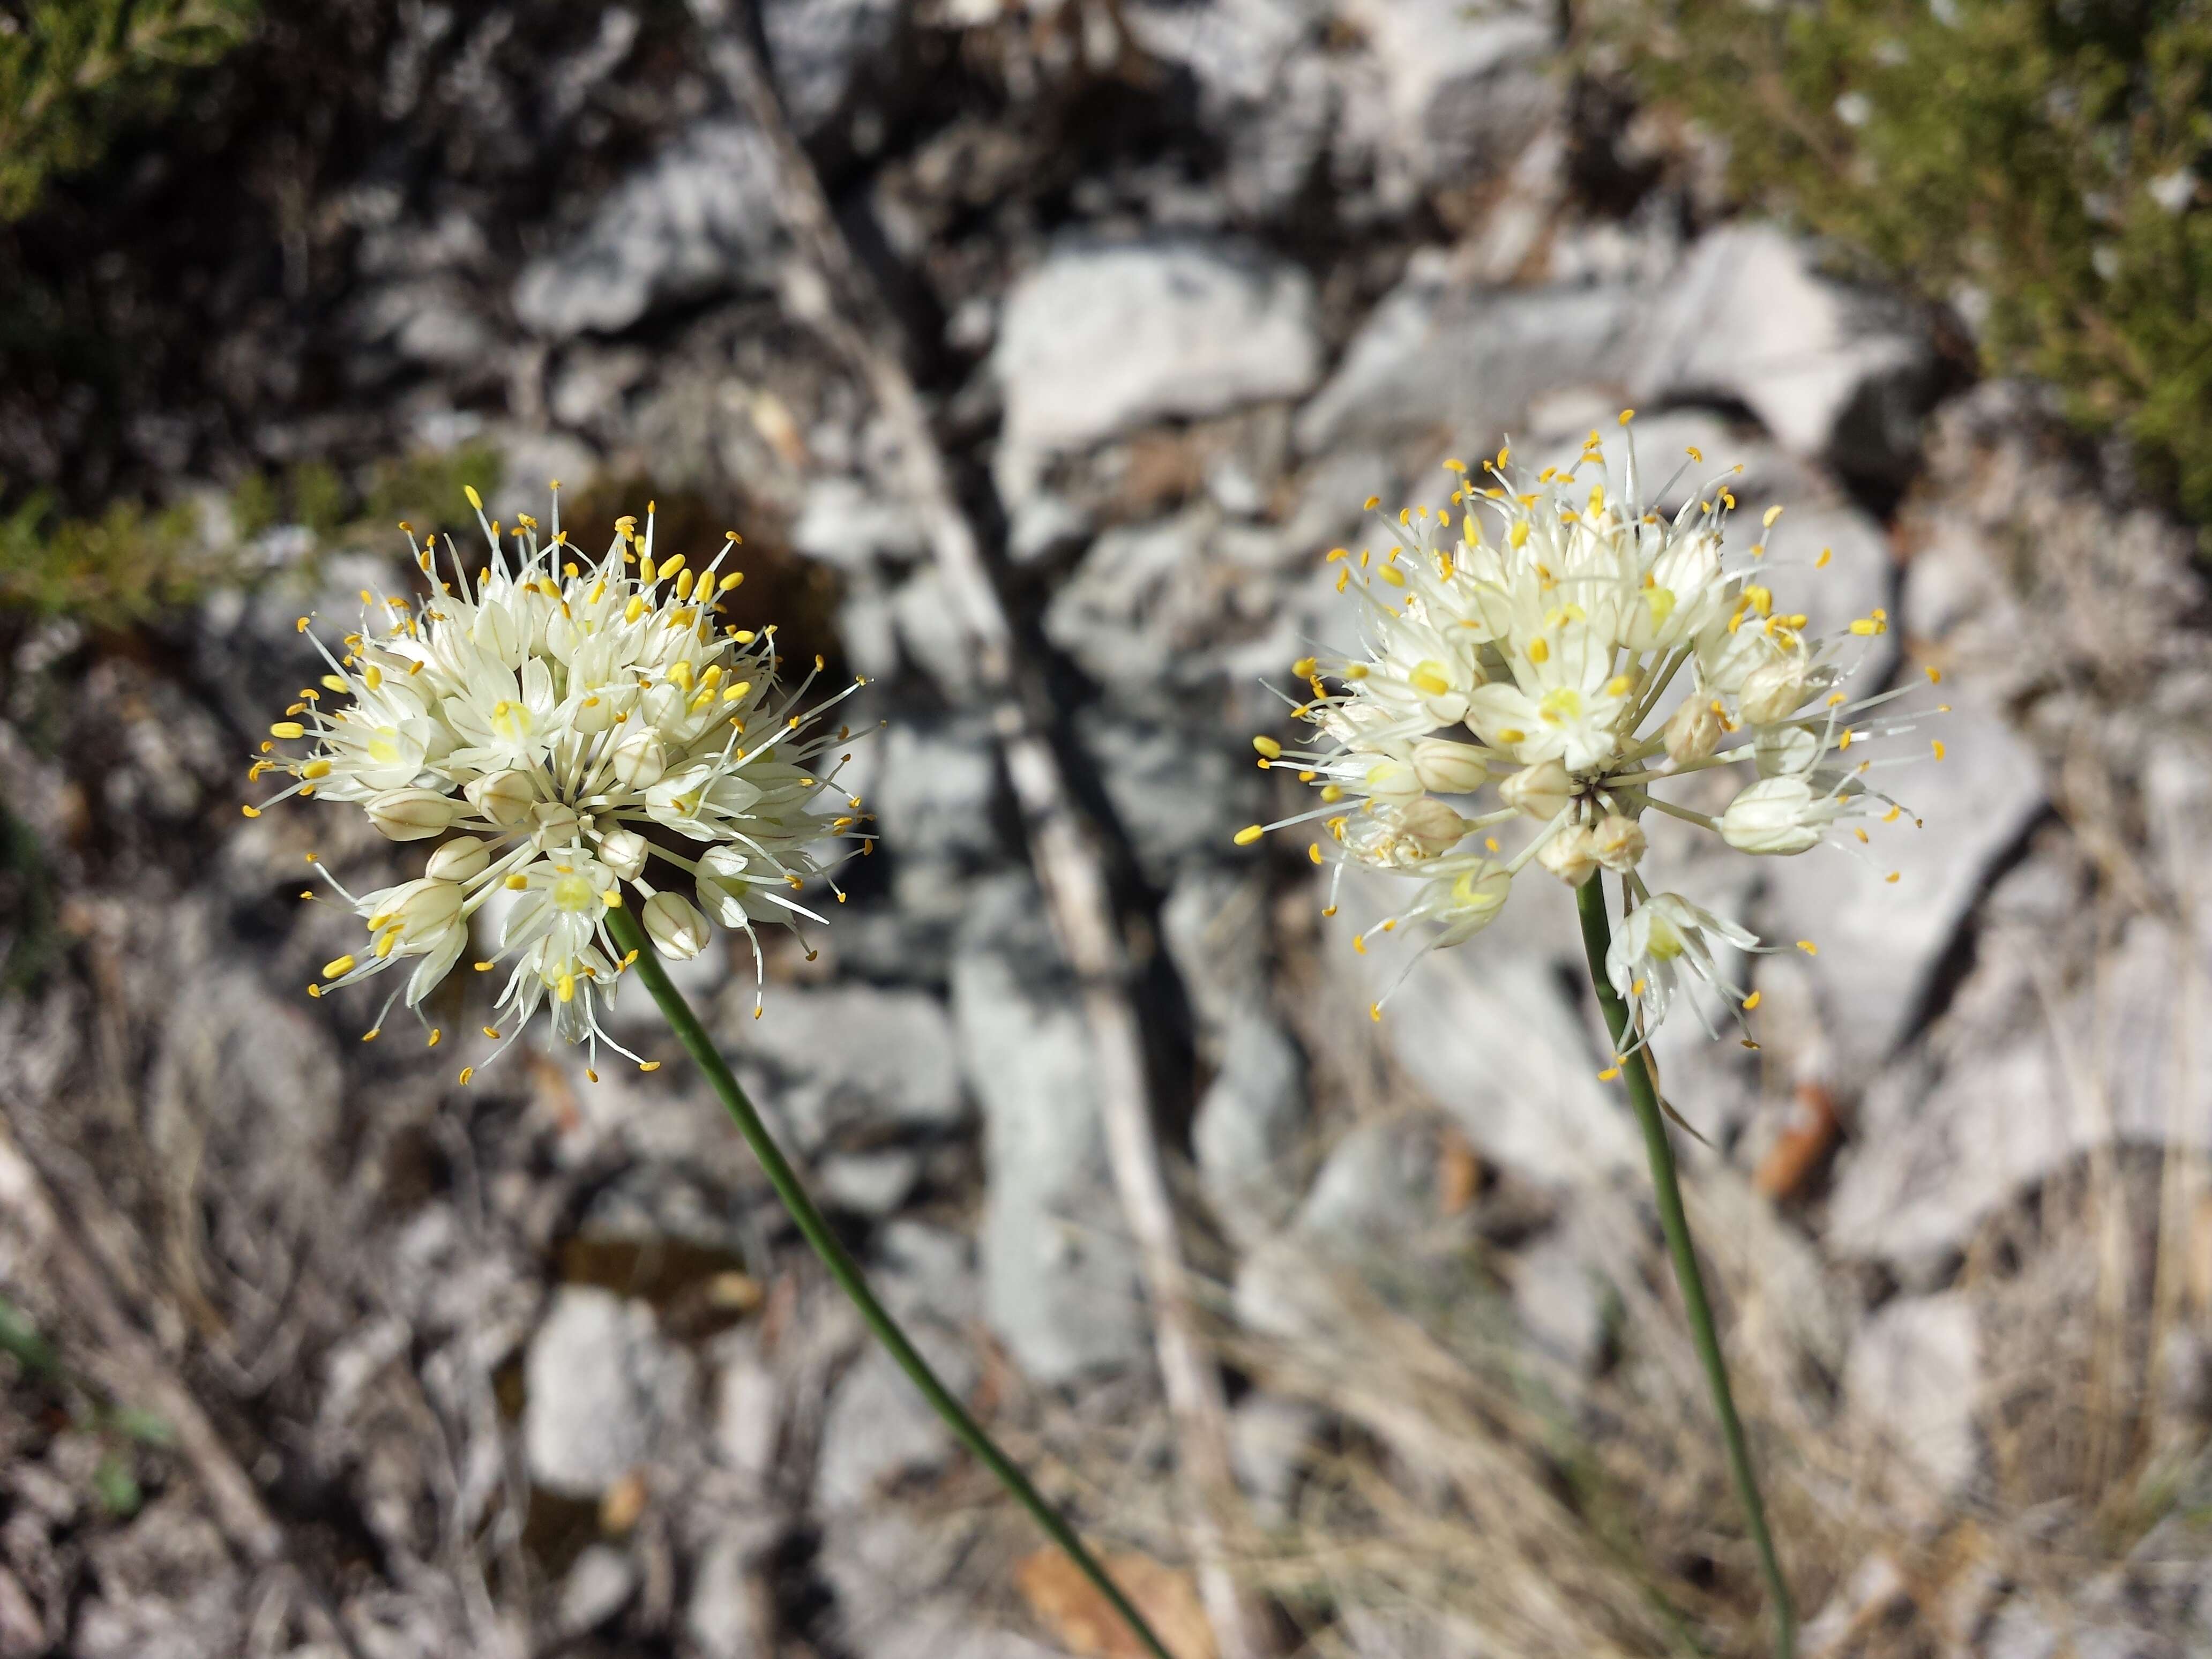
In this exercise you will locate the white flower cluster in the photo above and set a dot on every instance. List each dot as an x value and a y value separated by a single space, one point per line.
1530 634
564 726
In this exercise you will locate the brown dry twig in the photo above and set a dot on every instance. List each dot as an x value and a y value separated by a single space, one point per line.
850 313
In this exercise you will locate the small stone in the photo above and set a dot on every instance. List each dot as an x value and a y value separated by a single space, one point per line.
1913 1377
1247 1131
1272 1441
603 1389
598 1587
1100 339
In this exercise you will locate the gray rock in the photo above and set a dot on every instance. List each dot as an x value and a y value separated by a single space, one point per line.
1490 1030
1833 371
822 50
1913 1380
728 1615
846 1059
1559 1298
1464 87
1249 1124
1135 604
1988 1110
889 1577
1058 1273
699 218
879 1430
1272 1441
428 321
842 522
603 1391
598 1587
1100 339
1177 795
1214 925
1879 942
870 1183
1376 1191
1439 357
937 796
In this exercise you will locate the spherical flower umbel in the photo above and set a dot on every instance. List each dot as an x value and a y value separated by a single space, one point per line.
566 727
1559 639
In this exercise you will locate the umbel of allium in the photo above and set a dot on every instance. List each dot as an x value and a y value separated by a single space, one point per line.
567 729
1555 641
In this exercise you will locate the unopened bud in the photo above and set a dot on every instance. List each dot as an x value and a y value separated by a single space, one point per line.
1541 791
1693 733
1431 825
1773 691
1569 855
675 927
552 823
1617 842
412 814
1449 768
458 859
623 851
505 798
639 760
1777 815
1393 780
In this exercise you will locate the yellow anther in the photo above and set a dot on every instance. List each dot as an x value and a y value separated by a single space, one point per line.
1617 686
1751 1001
251 811
566 990
518 881
492 1031
371 1036
467 1072
1893 876
337 966
1248 834
1372 503
1375 1013
475 500
287 730
1313 851
634 609
1539 651
654 1064
1934 676
611 898
1636 989
1609 1074
1809 947
1392 574
436 1032
1268 747
1772 514
1937 745
316 769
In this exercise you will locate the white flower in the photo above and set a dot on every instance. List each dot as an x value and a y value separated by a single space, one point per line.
1662 935
1526 636
586 725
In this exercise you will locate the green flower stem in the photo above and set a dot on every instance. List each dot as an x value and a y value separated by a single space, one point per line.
623 925
1597 940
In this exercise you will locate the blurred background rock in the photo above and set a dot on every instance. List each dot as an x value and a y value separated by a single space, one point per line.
306 1350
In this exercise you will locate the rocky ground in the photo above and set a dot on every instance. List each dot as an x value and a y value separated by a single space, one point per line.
348 1360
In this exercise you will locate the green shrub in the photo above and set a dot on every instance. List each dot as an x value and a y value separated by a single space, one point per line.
74 73
132 561
2037 161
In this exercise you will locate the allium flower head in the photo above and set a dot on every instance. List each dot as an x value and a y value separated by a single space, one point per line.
1558 637
565 728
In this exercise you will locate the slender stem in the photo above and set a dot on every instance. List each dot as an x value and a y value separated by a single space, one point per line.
623 925
1597 940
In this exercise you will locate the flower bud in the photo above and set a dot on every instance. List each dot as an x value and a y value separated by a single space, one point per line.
1431 825
1778 816
674 924
1694 730
623 852
1569 855
426 906
1449 768
1541 791
1772 691
552 823
1468 902
1784 751
412 814
1617 842
639 759
505 798
457 860
1393 780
